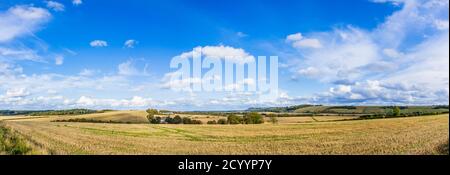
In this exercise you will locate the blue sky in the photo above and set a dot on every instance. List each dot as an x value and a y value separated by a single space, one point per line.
114 54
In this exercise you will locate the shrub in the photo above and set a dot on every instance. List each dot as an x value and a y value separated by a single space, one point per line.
213 122
11 143
197 122
273 118
234 119
222 121
187 120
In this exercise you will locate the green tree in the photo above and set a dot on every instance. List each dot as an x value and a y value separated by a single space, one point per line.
253 118
155 120
396 111
177 120
151 116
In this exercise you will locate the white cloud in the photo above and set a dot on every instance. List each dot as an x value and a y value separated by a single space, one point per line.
241 34
404 60
299 41
307 43
16 92
59 60
309 72
441 24
98 43
129 68
17 33
19 54
56 6
236 55
294 37
345 52
415 19
130 43
87 72
392 53
77 2
22 20
134 102
178 84
8 69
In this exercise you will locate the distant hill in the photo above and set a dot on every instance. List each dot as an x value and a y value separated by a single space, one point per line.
48 112
12 112
316 109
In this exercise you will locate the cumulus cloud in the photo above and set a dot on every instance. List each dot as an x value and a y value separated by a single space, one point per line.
134 102
392 53
241 34
56 6
32 93
300 42
98 43
77 2
129 68
236 55
16 92
294 37
341 59
403 60
415 19
130 43
172 80
178 84
87 72
59 60
9 69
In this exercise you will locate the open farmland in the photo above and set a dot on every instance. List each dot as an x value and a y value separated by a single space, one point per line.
292 135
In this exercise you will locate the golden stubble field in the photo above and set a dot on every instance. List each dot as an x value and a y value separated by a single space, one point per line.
414 135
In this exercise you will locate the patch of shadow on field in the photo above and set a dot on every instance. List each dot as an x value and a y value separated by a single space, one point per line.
443 149
247 139
189 135
162 132
114 133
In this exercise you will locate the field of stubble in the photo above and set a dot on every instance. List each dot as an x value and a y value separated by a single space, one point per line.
414 135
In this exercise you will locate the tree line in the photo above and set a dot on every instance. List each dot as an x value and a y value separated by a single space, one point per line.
247 118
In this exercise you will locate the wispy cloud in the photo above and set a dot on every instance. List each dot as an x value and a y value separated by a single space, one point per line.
56 6
21 20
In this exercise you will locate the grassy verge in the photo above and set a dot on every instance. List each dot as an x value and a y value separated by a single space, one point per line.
11 143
